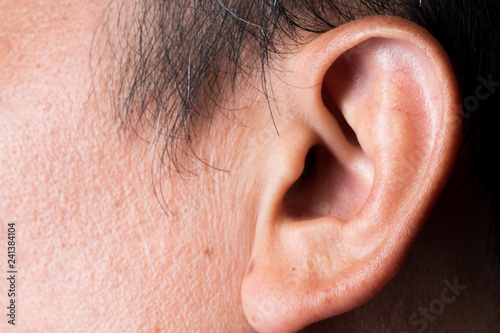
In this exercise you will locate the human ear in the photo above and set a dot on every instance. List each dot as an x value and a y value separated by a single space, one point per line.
350 182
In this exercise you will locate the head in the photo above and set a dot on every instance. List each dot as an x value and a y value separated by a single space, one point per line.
250 166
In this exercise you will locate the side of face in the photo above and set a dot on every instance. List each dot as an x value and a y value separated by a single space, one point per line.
291 212
93 235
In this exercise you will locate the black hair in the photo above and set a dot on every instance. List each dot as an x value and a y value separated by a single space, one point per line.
181 55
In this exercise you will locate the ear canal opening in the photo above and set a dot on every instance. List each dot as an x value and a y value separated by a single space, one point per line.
327 186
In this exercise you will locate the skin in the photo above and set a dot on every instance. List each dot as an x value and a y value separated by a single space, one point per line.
98 253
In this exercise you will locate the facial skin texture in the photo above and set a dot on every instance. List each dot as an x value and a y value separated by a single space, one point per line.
98 253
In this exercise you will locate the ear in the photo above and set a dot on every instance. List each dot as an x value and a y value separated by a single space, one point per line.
352 177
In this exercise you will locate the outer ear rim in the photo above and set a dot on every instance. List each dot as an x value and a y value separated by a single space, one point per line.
356 32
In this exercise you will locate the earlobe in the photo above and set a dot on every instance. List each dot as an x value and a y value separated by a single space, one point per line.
375 145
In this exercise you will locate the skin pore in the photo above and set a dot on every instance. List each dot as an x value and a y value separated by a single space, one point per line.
99 253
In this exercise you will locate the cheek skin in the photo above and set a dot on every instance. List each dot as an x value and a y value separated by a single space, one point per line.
93 239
